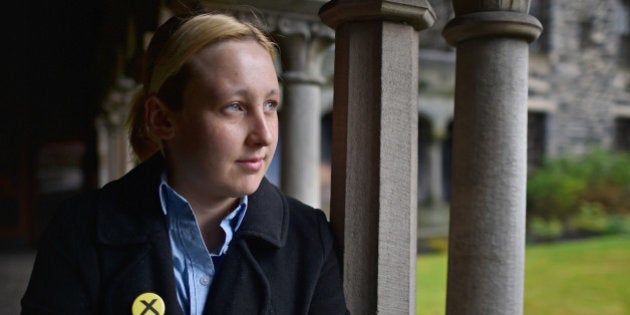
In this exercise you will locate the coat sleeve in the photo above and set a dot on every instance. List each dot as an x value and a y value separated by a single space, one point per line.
328 297
58 283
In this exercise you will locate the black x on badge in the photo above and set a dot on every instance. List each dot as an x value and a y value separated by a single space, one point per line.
148 303
148 306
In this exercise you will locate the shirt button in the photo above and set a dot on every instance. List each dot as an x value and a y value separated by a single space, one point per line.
204 280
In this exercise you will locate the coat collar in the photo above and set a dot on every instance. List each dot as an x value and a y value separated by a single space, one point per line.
129 210
267 215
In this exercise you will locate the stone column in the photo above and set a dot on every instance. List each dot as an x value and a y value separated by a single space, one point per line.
374 157
114 153
487 222
302 45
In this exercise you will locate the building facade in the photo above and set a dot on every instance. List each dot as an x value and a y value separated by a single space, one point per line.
579 88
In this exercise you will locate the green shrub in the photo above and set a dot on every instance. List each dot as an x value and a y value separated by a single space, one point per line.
544 230
618 225
580 192
591 217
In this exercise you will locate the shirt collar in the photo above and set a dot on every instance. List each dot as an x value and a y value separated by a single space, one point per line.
168 194
173 201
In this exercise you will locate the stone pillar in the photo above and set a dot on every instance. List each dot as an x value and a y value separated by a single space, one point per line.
487 222
374 157
114 153
302 44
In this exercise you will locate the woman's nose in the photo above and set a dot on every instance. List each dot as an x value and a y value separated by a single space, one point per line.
262 129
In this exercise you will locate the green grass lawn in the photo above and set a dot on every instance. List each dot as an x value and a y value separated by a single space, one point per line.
589 277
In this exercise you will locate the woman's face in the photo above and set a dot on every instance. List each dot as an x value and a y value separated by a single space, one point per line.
226 133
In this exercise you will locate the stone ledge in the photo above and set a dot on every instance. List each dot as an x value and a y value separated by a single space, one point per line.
492 24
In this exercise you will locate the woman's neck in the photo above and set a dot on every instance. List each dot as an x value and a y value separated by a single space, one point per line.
209 211
209 217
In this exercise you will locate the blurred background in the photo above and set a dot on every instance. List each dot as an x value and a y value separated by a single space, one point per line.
73 66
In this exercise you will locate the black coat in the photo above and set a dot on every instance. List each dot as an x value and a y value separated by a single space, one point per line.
104 248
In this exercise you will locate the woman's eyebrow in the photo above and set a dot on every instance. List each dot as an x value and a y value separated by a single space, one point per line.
246 92
273 92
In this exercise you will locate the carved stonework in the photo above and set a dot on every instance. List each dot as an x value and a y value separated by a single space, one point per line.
303 45
469 6
303 42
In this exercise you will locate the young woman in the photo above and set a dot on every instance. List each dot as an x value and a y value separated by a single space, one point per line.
195 228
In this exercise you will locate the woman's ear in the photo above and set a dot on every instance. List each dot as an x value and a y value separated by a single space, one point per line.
158 118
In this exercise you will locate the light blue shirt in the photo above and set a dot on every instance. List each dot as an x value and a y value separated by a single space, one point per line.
193 265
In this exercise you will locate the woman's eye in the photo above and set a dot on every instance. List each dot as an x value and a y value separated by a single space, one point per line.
234 106
271 105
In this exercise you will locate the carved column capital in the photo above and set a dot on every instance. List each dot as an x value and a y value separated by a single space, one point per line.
289 25
303 39
417 13
302 47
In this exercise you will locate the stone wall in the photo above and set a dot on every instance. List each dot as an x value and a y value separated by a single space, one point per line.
587 82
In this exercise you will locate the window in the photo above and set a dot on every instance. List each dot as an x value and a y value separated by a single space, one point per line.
536 139
622 134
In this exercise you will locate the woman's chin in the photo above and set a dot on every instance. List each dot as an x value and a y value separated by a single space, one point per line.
249 186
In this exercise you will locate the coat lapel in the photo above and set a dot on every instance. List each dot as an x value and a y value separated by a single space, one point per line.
135 247
267 216
241 286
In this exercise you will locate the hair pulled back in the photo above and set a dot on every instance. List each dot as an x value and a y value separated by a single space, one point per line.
165 71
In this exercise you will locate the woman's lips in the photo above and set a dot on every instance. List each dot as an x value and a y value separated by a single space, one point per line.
253 165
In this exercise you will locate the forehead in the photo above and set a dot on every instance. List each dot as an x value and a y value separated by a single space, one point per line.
231 55
233 66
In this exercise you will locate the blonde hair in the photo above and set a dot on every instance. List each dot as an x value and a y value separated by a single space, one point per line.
165 73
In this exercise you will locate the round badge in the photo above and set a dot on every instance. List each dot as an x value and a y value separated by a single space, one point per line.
148 303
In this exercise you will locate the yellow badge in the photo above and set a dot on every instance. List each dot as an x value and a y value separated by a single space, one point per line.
148 303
